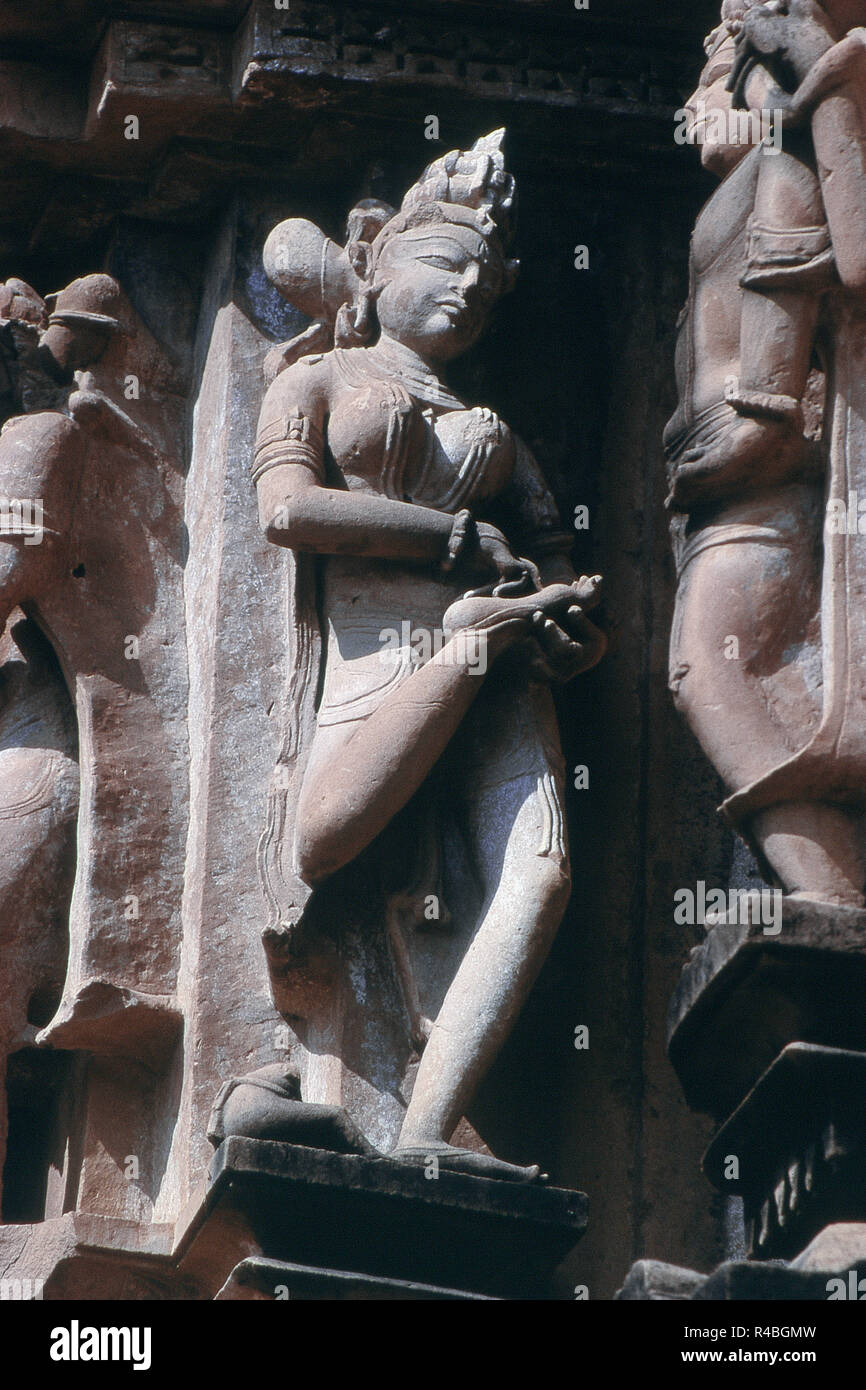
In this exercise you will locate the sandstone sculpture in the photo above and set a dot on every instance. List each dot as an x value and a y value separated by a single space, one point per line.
767 657
92 561
415 858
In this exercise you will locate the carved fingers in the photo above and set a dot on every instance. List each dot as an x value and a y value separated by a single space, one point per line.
566 646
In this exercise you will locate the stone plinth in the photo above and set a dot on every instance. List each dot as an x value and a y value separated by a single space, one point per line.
831 1268
258 1280
743 996
371 1218
799 1140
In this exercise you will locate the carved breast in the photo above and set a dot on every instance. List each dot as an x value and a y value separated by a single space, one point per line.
384 440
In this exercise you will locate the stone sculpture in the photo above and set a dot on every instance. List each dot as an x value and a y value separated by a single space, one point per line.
93 560
415 857
767 654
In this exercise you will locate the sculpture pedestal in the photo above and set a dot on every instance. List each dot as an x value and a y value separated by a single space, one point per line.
832 1268
744 995
768 1035
282 1221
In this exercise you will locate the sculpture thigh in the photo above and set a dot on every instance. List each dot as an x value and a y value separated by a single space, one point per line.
38 811
504 770
508 787
745 646
512 787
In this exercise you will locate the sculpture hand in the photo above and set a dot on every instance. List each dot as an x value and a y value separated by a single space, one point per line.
514 575
786 36
569 644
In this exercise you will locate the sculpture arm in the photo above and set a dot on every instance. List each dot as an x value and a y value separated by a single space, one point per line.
843 63
297 508
835 91
831 92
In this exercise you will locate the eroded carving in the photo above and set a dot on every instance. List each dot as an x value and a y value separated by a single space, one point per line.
415 858
767 656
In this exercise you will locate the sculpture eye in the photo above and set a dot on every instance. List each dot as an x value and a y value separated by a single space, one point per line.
440 262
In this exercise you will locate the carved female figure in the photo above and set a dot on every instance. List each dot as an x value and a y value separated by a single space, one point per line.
367 460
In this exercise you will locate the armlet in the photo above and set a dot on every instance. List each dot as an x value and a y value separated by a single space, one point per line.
293 439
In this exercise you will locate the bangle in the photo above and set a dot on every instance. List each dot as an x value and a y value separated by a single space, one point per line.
462 530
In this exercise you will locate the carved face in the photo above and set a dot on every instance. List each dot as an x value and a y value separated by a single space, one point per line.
71 347
712 97
439 282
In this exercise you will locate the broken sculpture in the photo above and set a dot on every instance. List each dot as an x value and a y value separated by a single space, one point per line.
768 652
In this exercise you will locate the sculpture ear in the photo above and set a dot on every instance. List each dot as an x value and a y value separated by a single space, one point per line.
360 258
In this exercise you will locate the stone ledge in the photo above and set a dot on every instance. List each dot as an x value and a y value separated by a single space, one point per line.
743 996
376 1217
269 1281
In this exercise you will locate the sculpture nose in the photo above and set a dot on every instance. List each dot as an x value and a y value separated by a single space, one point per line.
470 282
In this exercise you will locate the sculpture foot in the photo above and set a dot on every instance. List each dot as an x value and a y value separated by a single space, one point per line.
482 611
477 1165
266 1104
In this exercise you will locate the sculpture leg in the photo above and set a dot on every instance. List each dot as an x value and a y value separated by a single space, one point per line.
523 861
780 306
38 805
744 611
361 774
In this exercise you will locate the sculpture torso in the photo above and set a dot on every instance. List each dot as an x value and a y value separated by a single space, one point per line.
708 343
433 452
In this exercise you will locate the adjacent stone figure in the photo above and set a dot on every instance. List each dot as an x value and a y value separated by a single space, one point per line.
768 652
90 552
415 858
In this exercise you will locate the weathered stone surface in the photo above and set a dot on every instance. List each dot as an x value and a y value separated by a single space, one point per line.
268 1281
180 217
367 463
765 455
831 1268
651 1281
795 1149
738 1282
744 995
377 1217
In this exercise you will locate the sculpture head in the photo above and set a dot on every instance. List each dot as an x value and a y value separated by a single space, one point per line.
434 278
426 275
82 321
21 303
712 97
434 270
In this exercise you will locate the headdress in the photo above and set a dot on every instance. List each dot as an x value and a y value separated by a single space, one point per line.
96 300
733 13
330 283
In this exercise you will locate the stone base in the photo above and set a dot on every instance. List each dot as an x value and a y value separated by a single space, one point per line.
90 1258
274 1281
744 996
831 1268
347 1214
280 1220
799 1142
